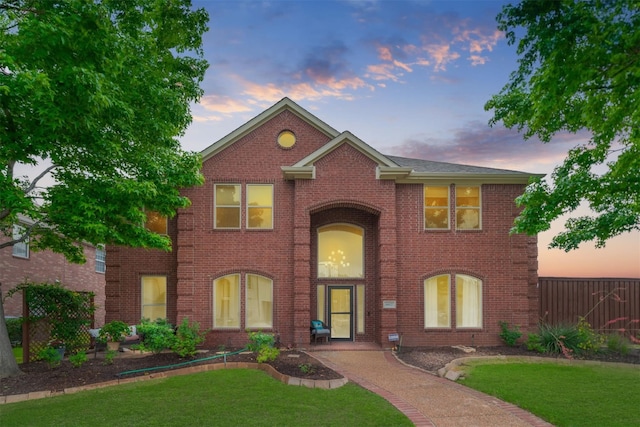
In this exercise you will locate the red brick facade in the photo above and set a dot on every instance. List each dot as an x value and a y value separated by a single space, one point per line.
48 267
326 178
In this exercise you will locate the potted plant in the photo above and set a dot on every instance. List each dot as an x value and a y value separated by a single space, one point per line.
113 333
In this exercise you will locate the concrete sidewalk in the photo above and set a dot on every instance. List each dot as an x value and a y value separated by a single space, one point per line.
426 399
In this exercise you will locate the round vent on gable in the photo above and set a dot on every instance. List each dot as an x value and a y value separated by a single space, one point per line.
286 139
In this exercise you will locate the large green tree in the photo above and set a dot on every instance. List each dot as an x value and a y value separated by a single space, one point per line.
93 96
578 69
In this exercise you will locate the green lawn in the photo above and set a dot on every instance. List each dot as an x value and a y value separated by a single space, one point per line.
576 395
17 353
226 398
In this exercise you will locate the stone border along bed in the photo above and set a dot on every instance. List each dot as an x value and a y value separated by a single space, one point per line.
286 379
453 371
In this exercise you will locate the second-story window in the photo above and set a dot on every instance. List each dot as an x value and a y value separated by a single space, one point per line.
156 222
468 213
226 201
259 206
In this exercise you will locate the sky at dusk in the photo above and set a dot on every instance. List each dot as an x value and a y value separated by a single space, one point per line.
410 78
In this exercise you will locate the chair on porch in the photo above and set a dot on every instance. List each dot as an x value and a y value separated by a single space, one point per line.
320 330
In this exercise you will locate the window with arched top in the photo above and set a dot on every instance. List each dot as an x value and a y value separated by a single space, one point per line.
437 305
341 251
468 302
440 299
226 301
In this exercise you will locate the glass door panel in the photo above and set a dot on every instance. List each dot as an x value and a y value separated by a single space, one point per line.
341 312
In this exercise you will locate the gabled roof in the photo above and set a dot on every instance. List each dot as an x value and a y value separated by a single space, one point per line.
304 168
400 169
257 121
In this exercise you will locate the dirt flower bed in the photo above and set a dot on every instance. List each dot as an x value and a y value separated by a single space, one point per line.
38 376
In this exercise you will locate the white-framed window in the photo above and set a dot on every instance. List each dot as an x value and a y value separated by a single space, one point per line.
468 302
226 203
437 302
20 249
101 257
258 302
154 297
260 206
468 211
156 222
226 301
341 251
436 207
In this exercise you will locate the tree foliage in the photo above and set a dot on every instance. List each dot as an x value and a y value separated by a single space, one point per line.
578 69
95 93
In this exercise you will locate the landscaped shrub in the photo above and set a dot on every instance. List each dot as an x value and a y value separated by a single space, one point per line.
50 355
509 336
157 335
590 340
263 344
188 337
533 343
78 359
618 344
560 339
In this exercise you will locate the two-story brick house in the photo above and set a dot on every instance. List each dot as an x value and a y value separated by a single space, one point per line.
297 221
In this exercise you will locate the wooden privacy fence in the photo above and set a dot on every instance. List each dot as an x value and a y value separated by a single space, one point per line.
609 305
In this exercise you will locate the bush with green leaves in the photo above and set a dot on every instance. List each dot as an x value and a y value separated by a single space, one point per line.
509 335
264 345
109 356
156 335
617 343
188 337
590 340
559 339
78 359
533 343
50 355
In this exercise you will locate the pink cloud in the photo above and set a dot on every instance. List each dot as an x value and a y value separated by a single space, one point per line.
441 54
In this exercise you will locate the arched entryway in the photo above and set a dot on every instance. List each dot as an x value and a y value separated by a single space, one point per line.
344 242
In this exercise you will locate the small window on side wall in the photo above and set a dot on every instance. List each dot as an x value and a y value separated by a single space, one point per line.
101 256
154 297
156 222
20 249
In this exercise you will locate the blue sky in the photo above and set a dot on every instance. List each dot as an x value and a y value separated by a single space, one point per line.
410 78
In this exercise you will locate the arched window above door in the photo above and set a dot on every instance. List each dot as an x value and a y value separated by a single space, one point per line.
341 251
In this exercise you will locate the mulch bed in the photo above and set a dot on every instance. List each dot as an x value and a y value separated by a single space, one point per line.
38 376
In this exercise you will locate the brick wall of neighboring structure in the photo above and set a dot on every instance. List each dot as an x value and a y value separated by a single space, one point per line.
47 267
399 253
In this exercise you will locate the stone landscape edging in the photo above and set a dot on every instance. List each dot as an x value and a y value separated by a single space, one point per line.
285 379
452 370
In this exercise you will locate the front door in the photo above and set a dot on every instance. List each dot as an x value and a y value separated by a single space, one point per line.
341 312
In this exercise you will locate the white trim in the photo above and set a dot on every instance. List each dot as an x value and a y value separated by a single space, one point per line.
260 119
